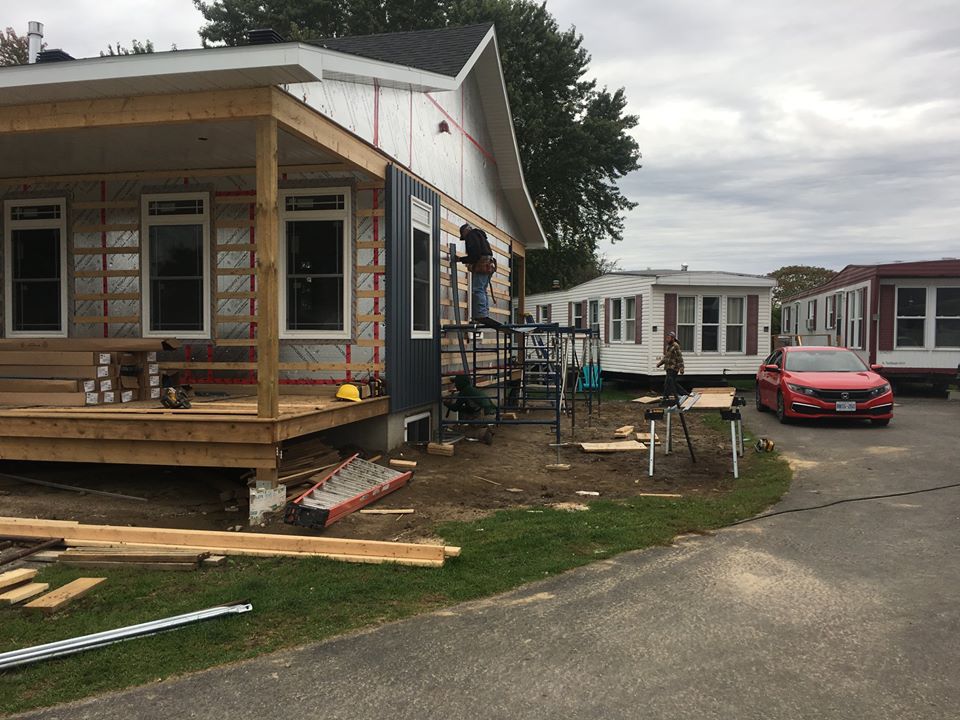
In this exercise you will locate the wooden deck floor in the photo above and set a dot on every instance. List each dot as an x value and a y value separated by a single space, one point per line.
215 432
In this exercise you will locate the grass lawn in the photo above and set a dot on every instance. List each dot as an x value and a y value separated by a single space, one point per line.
296 601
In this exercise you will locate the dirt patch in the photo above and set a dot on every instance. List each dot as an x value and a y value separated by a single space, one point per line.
471 484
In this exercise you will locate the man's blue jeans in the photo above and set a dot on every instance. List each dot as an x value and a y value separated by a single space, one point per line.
479 282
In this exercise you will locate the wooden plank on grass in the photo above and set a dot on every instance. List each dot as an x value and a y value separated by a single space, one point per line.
56 599
16 577
622 446
386 511
119 564
22 592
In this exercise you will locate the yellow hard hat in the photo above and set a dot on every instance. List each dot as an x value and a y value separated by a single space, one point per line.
348 392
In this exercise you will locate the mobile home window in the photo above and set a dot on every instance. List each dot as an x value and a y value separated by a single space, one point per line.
686 322
630 319
948 317
35 260
811 314
710 325
594 310
315 263
176 230
421 253
735 325
616 317
830 310
623 319
785 320
855 321
911 316
577 315
543 313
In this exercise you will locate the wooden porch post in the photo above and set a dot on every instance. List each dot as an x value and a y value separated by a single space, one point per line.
267 226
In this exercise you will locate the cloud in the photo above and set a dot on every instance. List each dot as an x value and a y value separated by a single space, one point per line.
779 133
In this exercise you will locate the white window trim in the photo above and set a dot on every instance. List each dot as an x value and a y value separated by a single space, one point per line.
616 321
829 311
811 314
623 321
346 216
576 319
898 317
9 226
721 299
855 321
146 221
408 421
593 309
415 225
933 296
724 307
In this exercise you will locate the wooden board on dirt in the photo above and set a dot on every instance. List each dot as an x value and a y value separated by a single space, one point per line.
622 446
386 511
644 437
623 432
56 599
440 449
403 464
647 399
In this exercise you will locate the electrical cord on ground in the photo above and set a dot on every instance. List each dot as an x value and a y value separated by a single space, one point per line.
846 500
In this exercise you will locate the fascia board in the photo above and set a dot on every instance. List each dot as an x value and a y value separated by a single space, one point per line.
346 65
289 56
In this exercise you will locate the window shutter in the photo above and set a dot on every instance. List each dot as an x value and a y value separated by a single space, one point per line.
548 311
638 319
816 304
887 312
753 319
569 314
670 312
606 320
584 318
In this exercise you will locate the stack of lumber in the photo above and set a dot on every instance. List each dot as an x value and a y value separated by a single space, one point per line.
78 372
230 543
305 457
133 557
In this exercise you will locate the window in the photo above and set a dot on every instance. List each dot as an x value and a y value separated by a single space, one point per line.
315 264
577 314
855 319
176 265
35 261
543 313
734 325
911 316
686 322
594 310
811 314
710 325
838 306
830 311
785 325
623 319
421 254
947 332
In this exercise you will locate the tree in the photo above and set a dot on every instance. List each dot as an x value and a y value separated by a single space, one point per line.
573 137
14 49
794 279
136 48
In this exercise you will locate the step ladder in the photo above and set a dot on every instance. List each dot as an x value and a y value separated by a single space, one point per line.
348 487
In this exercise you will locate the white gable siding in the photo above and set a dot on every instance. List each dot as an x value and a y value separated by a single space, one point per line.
406 126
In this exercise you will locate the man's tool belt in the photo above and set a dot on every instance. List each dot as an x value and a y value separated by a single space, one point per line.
486 265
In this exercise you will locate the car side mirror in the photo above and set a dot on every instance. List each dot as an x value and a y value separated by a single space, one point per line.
772 368
876 368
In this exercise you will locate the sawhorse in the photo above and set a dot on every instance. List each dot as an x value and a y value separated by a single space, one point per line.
661 414
736 431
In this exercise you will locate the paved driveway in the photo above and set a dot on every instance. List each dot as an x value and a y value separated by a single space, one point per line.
848 612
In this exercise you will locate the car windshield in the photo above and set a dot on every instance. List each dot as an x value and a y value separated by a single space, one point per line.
824 361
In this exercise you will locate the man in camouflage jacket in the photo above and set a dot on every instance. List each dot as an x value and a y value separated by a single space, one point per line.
672 362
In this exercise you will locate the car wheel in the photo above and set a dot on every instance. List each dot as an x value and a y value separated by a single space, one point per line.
781 410
760 406
881 423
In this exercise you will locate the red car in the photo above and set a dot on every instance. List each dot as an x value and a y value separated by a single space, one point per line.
823 382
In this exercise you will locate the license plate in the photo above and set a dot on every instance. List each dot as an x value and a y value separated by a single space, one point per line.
846 406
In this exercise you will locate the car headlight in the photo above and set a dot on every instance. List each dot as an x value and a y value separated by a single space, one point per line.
803 390
880 390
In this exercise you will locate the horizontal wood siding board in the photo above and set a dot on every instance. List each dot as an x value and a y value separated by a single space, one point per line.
413 365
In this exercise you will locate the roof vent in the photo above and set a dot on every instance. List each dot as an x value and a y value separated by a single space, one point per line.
683 268
264 36
55 55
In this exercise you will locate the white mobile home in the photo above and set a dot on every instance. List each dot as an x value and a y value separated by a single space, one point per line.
903 316
722 319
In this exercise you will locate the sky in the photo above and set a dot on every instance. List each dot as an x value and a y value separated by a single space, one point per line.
773 132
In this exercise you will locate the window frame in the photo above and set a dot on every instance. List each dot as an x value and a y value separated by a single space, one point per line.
694 325
811 314
937 316
593 316
146 222
898 317
718 324
725 306
428 228
9 225
576 315
622 321
855 319
616 320
345 215
829 311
